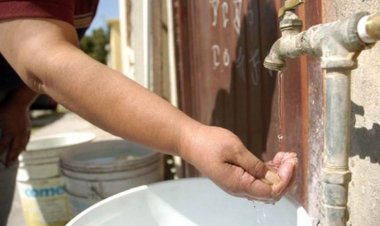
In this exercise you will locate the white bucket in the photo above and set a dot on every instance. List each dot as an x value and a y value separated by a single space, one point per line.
188 202
101 169
39 183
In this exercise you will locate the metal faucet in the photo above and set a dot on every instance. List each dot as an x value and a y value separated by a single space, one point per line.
338 44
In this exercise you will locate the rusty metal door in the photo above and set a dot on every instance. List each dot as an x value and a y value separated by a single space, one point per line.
221 45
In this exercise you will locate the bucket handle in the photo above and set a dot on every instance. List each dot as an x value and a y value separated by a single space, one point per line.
97 193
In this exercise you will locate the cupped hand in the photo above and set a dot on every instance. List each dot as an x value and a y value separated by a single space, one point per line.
221 156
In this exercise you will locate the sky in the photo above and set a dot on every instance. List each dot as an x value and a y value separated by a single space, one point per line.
107 9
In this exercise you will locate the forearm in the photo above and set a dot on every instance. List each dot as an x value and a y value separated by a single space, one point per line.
113 102
103 96
119 105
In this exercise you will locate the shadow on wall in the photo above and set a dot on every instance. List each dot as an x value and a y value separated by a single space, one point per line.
365 142
246 108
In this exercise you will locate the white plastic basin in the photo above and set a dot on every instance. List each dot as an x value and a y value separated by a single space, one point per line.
188 202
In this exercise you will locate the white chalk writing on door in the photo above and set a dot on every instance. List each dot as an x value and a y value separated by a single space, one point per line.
229 14
215 5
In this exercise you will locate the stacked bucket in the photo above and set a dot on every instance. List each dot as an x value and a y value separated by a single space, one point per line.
101 169
40 185
61 175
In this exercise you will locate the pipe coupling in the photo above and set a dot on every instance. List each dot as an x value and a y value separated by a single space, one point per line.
369 28
335 186
342 49
332 176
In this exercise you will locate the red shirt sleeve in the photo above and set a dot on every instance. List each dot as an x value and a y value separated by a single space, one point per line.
55 9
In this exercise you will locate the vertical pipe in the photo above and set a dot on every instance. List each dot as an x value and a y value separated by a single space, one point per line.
338 108
335 173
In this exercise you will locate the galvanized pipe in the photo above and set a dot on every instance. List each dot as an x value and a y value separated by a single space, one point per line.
337 118
338 44
335 173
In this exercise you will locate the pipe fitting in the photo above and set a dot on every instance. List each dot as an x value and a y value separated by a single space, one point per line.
335 216
287 46
344 45
369 28
373 26
335 186
291 21
331 176
337 43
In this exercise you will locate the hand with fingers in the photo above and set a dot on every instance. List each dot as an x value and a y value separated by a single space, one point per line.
221 156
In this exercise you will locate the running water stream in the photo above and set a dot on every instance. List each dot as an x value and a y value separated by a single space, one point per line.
280 110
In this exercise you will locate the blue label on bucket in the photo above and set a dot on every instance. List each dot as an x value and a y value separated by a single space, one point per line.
44 192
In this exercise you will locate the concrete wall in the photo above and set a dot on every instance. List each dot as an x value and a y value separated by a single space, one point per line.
364 189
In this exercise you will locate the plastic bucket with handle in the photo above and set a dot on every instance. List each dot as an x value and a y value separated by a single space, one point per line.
101 169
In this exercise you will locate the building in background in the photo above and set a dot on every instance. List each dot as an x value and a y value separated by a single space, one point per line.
142 45
114 59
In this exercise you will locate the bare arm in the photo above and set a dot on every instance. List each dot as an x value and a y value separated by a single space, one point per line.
45 54
51 63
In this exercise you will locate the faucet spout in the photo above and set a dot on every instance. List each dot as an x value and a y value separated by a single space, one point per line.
291 45
288 45
275 61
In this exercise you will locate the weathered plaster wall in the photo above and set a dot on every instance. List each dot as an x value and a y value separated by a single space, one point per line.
364 189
